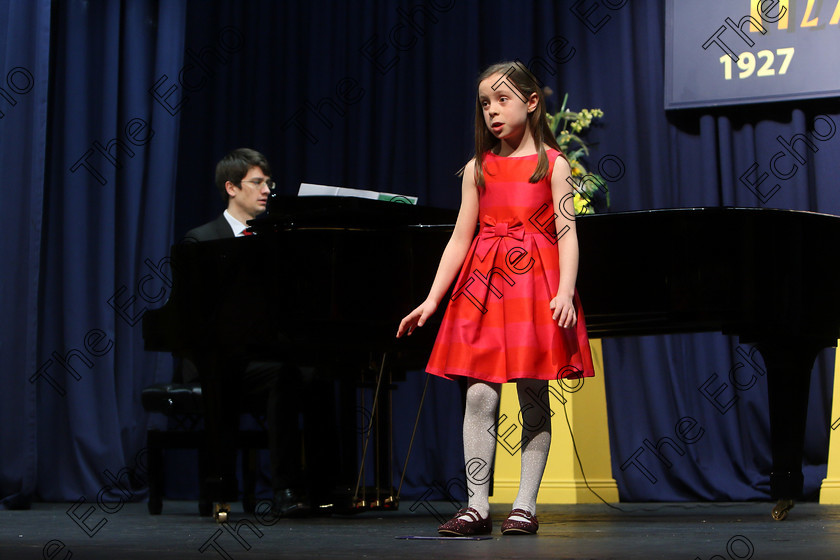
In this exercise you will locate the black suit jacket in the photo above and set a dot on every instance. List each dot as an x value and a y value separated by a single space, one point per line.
217 229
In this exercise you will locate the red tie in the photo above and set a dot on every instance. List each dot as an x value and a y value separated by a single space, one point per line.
246 232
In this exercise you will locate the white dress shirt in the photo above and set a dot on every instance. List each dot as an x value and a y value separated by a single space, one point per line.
235 225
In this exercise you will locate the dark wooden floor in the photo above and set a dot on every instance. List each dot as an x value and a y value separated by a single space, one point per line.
649 531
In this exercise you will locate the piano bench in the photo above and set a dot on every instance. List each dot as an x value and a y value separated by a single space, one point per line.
182 404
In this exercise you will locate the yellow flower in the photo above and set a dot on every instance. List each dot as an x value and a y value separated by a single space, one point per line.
569 126
581 205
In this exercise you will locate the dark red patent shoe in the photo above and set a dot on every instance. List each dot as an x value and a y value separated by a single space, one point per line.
471 524
520 522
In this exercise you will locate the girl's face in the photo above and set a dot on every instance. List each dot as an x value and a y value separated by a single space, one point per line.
505 107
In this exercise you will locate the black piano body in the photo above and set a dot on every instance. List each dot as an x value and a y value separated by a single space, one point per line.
767 276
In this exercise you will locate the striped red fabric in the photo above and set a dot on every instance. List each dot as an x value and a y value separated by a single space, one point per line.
498 325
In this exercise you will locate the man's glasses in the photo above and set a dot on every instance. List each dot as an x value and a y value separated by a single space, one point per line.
258 183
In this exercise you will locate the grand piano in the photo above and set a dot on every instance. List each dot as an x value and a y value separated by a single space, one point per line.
328 279
324 283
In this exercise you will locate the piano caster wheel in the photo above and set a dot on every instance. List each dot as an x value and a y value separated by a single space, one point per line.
220 512
780 512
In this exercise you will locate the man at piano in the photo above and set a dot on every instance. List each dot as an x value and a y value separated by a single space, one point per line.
243 178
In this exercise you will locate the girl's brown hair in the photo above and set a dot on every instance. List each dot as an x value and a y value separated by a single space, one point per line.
517 75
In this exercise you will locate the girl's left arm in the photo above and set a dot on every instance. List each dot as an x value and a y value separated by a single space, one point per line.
567 246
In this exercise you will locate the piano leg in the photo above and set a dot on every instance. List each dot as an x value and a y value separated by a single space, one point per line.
220 424
789 362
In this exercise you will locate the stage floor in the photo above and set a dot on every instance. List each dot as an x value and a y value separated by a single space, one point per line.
643 531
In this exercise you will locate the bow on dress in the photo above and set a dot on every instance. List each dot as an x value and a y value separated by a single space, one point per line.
492 233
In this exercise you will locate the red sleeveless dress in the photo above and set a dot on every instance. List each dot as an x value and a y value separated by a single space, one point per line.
498 326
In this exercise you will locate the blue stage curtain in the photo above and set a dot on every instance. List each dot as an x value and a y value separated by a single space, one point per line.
24 69
368 94
106 231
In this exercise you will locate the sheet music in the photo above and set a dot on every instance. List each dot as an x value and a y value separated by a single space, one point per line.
310 189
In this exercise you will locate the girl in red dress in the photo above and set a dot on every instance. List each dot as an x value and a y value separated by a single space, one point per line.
514 314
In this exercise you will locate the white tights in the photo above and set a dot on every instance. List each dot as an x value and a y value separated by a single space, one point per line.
480 440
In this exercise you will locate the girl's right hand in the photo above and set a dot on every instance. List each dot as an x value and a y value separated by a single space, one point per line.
416 318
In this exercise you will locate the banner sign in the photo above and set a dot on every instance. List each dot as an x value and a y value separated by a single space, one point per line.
725 52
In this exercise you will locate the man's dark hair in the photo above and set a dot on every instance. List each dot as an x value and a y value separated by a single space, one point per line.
234 166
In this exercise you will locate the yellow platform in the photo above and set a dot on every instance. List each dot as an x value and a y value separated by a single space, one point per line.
830 489
563 482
